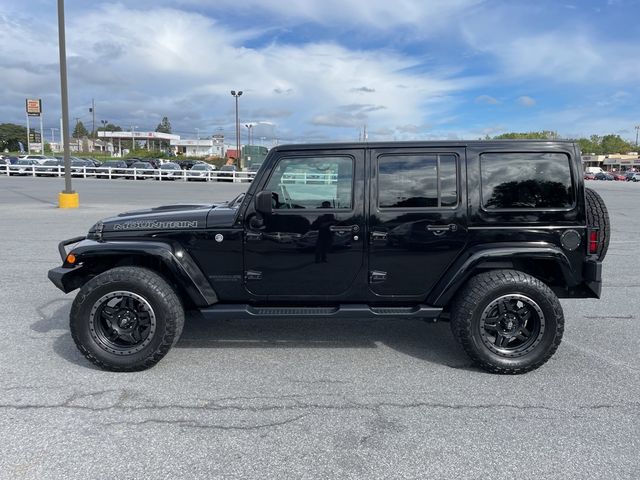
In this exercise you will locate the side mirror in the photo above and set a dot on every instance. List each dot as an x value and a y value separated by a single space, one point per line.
263 202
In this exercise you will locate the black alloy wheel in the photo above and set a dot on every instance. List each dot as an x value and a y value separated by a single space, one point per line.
122 322
512 325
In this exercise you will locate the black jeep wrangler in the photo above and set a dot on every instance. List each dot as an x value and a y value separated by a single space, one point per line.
485 234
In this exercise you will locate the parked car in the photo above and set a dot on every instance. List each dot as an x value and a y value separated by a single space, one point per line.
116 167
200 172
51 168
81 167
604 176
24 166
170 171
629 175
143 171
635 177
39 158
619 177
95 162
589 176
227 173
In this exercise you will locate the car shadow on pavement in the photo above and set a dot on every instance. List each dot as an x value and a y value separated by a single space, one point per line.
54 316
417 338
422 340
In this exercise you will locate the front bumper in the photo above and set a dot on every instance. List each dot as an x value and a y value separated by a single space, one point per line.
66 279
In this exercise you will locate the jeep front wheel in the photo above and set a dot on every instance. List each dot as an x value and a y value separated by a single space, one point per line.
126 319
507 321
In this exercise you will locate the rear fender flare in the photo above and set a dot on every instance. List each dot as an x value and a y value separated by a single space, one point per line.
494 257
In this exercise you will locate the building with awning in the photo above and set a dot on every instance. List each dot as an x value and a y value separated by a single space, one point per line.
149 140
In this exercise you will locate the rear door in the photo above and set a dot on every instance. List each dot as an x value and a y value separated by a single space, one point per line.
417 218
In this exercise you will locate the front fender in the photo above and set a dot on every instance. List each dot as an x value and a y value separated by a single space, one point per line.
498 257
90 253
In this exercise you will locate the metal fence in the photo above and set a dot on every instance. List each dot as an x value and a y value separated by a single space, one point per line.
127 173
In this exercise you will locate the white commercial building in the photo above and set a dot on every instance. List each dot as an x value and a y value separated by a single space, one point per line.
198 148
149 140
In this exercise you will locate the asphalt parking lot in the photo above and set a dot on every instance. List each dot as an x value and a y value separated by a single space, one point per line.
299 398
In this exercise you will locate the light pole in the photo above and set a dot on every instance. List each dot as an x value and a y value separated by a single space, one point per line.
249 127
637 130
236 95
197 134
67 198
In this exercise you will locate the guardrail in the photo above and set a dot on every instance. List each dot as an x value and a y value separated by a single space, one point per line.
127 173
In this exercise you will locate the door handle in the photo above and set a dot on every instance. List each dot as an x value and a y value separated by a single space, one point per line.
345 228
377 236
441 229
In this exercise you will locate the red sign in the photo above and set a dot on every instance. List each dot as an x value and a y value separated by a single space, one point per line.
34 107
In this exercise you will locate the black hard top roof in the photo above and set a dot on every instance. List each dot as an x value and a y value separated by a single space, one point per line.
430 144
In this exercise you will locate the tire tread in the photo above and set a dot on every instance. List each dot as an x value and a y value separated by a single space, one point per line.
150 279
472 294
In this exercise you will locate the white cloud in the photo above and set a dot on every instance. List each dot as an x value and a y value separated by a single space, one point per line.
141 65
526 101
487 100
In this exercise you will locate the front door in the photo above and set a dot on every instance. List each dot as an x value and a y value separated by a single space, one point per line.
312 244
417 219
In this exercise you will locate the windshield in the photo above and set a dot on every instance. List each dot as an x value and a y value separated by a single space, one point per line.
25 162
170 166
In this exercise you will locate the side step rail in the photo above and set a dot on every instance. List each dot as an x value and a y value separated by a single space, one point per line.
241 311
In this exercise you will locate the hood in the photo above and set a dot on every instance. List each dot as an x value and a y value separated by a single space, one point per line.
167 217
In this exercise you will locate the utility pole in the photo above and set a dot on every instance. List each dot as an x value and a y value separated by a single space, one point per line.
637 130
93 118
238 153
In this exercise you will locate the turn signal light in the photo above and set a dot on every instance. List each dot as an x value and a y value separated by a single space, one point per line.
593 241
71 258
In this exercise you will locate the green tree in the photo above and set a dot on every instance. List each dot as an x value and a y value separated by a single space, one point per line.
10 135
110 127
80 131
605 145
164 126
543 135
615 144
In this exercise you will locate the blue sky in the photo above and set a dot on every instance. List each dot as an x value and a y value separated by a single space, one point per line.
320 70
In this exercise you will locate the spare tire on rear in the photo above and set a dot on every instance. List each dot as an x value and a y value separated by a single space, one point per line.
598 216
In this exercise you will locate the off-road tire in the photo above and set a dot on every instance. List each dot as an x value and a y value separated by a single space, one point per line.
166 305
598 216
476 296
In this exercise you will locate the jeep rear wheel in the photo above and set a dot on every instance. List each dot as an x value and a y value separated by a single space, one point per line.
507 321
126 319
598 216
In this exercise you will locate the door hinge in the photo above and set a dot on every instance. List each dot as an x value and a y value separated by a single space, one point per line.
252 275
377 276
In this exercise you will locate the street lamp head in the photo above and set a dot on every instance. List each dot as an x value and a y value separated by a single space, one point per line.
233 92
240 93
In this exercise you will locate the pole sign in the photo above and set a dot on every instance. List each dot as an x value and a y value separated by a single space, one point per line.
34 107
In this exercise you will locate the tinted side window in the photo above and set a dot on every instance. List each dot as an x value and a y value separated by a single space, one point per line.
312 182
417 181
526 180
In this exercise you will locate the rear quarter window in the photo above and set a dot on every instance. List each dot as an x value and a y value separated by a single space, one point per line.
526 181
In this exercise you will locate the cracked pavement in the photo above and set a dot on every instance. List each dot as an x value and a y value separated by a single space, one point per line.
288 398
